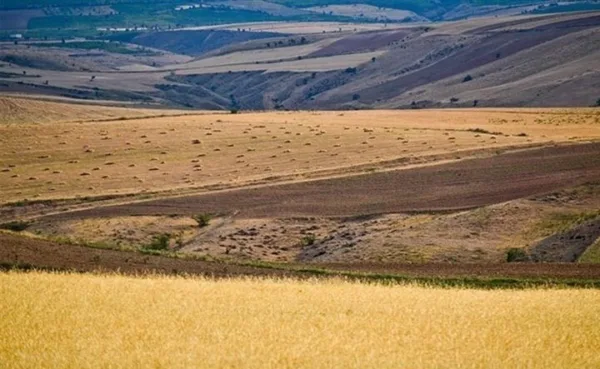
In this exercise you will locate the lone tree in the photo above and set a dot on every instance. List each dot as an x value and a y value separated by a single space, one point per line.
92 78
598 102
467 78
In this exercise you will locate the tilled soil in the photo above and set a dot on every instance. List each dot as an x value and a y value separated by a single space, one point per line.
460 185
30 252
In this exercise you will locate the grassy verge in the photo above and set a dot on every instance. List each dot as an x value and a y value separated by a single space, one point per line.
592 254
443 282
563 221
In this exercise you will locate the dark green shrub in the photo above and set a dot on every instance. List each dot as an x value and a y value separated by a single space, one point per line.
308 240
203 220
160 242
15 226
515 255
484 131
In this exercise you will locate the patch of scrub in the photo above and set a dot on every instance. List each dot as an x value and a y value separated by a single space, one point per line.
592 254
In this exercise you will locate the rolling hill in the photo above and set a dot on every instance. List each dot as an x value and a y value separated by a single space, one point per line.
526 60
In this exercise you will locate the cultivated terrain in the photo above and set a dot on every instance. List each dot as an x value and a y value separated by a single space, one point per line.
550 59
299 184
354 188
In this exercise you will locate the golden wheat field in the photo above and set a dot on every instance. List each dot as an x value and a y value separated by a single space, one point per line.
104 321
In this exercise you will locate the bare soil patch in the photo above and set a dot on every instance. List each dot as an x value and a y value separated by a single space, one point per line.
567 246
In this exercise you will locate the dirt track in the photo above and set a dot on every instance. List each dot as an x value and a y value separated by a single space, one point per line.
28 252
460 185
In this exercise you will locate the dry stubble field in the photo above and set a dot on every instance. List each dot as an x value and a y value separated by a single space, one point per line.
85 321
107 153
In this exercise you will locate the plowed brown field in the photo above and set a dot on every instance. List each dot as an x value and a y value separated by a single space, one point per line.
458 185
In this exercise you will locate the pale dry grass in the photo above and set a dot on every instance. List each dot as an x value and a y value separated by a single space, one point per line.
14 110
120 232
253 56
65 160
592 254
528 21
86 321
364 11
321 64
304 27
535 22
464 26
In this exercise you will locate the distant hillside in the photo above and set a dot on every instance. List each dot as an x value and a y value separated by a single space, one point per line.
525 60
196 42
53 18
508 64
396 4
